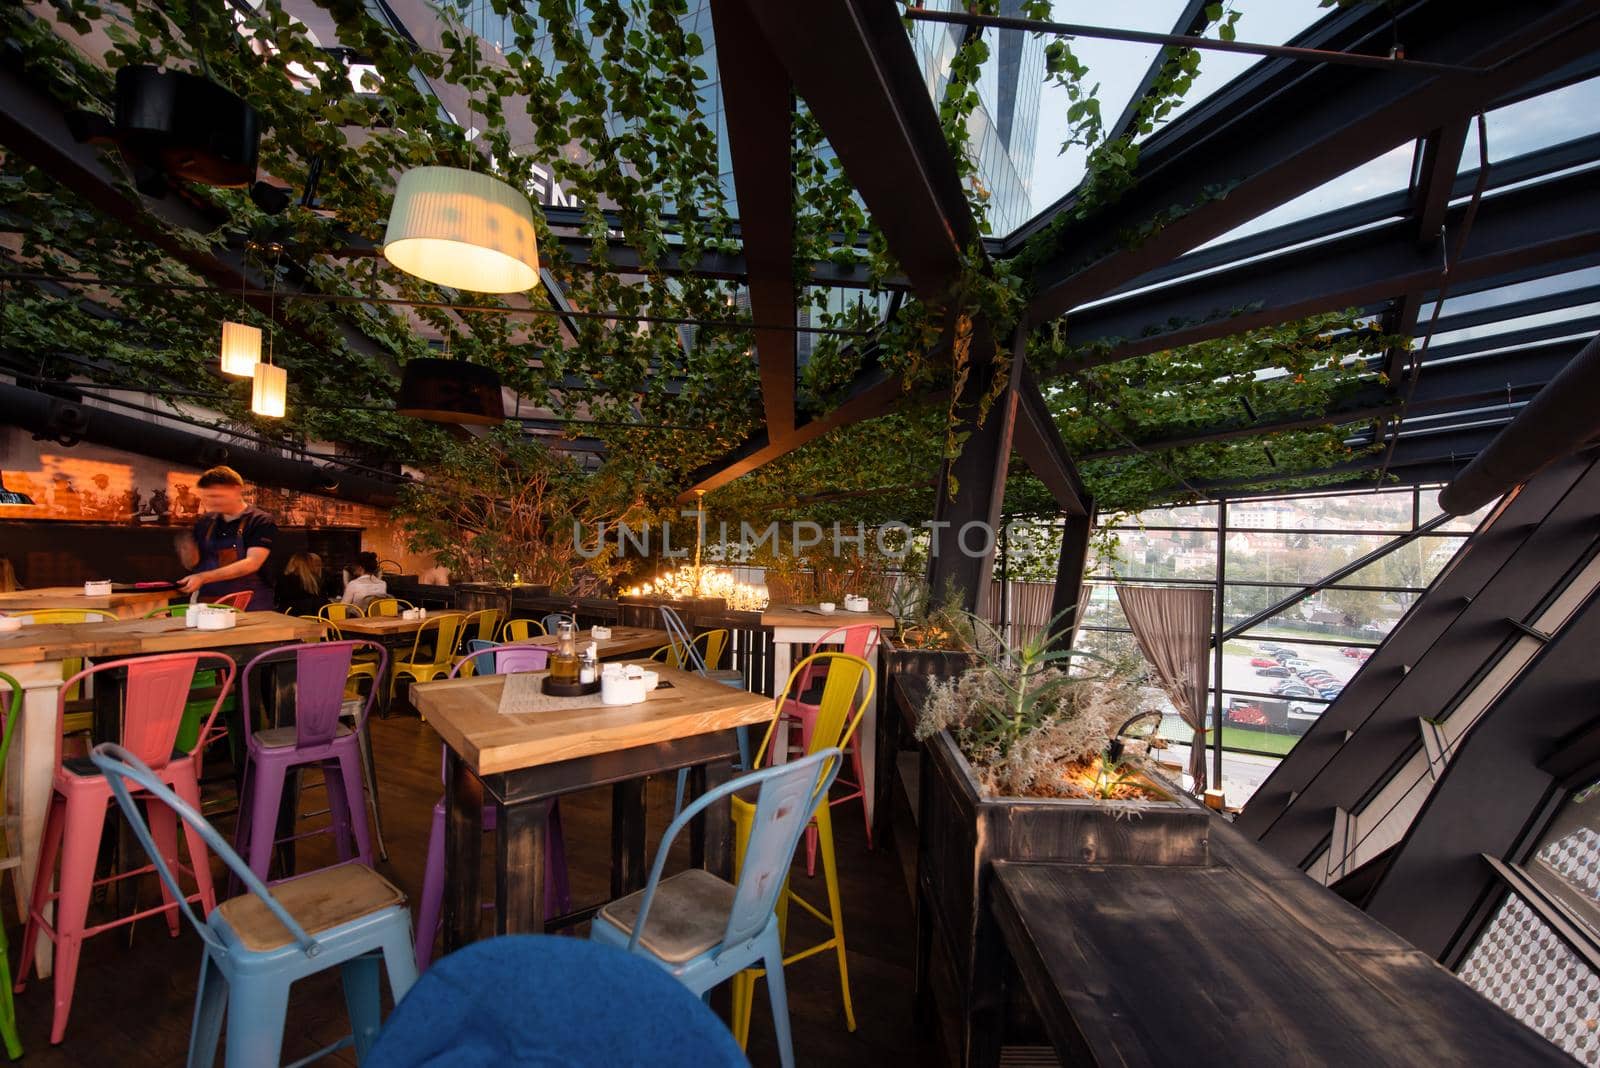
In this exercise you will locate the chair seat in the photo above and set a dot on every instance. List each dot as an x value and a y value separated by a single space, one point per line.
319 902
727 676
284 737
688 916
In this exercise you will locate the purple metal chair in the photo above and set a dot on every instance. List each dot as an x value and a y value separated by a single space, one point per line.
320 736
503 660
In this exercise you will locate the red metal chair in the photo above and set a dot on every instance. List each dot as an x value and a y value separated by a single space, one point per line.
239 602
153 704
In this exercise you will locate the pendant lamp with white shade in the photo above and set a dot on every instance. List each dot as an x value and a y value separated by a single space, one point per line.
269 391
241 348
462 229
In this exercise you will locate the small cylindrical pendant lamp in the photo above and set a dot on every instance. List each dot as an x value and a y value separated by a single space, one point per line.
241 348
462 229
269 393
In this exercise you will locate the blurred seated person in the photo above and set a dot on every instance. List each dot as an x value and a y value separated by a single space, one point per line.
299 589
368 583
8 576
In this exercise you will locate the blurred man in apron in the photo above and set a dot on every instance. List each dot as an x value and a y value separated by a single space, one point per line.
232 541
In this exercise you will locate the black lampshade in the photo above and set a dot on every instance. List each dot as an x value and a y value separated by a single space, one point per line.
450 391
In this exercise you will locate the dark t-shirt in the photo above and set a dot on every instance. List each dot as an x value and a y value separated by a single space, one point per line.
227 541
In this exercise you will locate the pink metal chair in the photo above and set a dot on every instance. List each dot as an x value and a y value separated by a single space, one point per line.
153 702
238 601
505 660
320 736
858 640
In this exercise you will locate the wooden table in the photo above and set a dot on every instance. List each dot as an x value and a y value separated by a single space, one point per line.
1244 961
35 657
519 762
804 625
131 604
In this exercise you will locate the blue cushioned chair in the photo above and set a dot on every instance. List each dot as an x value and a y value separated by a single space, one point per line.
704 930
546 1000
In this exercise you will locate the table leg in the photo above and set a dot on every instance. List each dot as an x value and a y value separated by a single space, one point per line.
463 851
867 741
887 745
520 842
782 665
371 770
30 769
627 837
711 832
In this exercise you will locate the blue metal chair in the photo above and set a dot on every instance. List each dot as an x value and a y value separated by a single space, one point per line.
706 930
687 655
259 943
553 619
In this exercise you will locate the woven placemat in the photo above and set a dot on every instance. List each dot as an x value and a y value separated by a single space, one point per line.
522 696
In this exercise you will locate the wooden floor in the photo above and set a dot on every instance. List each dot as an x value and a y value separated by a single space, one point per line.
133 1002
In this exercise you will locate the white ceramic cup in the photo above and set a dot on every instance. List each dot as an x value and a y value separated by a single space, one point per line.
827 606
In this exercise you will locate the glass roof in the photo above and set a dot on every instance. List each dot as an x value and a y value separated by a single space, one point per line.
1118 67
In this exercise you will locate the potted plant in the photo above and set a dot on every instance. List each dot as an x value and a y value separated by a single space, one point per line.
934 635
1022 761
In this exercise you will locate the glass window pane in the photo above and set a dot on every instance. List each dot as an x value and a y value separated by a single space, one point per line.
1413 565
1332 615
1522 966
1162 554
1566 861
1303 557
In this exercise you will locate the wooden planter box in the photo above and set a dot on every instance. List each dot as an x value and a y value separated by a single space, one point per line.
960 958
934 663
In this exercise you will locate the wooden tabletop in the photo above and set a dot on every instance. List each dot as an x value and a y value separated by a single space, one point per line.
382 626
466 713
624 641
20 601
1241 962
137 637
809 615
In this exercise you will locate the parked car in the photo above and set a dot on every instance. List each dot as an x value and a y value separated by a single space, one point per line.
1315 674
1289 688
1354 653
1261 661
1296 664
1273 672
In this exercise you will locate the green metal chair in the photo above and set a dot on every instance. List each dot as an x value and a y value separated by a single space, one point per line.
10 702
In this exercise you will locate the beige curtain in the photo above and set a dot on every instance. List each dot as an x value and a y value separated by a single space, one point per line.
1173 626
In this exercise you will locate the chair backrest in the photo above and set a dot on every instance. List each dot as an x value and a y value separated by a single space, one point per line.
153 701
685 654
846 694
520 630
386 606
445 629
10 712
507 658
484 623
787 796
119 766
239 601
857 639
553 619
70 615
321 670
716 641
338 611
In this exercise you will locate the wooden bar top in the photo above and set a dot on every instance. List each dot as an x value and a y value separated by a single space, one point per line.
1245 961
809 615
138 637
19 602
466 713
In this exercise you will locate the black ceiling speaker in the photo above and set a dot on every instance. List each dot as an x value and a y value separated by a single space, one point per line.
66 423
214 453
172 125
450 391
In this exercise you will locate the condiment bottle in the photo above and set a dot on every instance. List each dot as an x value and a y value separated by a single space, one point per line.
564 665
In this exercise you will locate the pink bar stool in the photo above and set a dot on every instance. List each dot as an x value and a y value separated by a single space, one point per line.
858 640
153 702
319 735
505 660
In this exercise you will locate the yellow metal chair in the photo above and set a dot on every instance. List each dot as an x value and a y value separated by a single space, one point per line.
426 664
711 644
520 630
846 695
338 612
362 665
481 625
387 606
77 720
